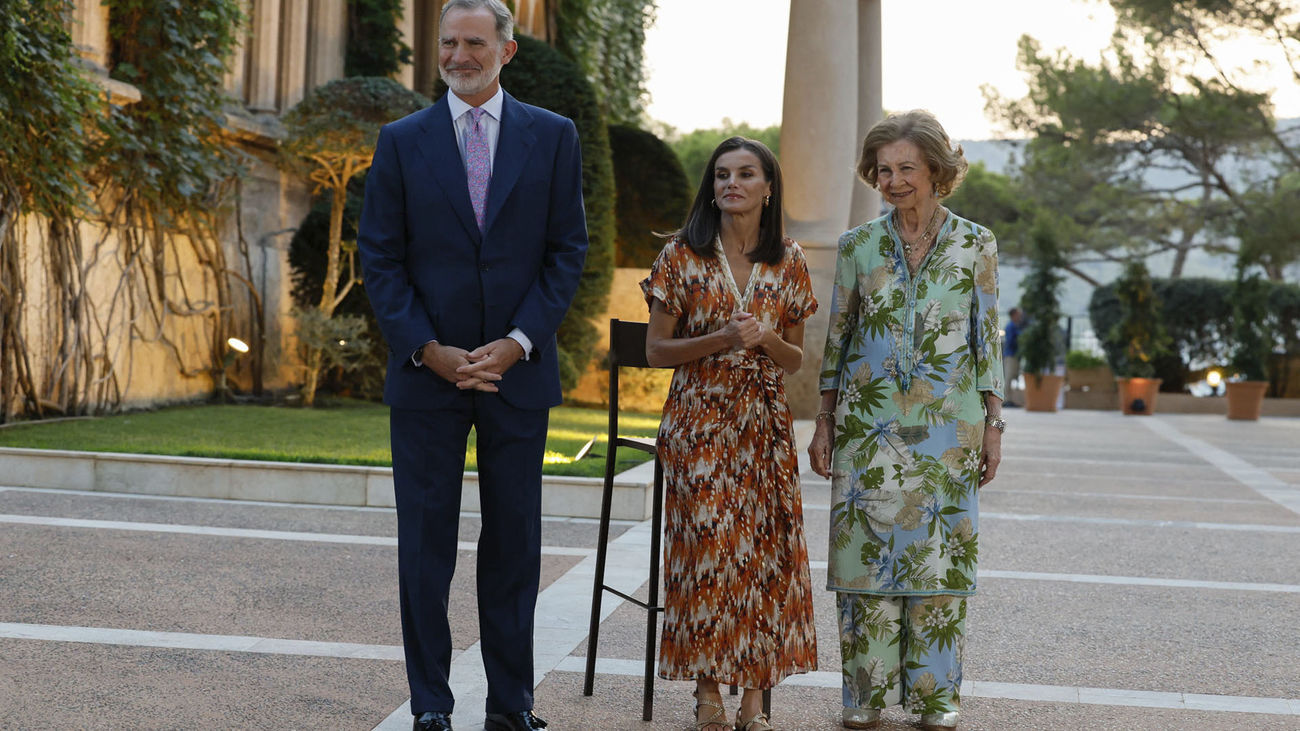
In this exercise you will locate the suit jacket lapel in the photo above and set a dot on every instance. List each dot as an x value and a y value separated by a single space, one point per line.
513 145
442 153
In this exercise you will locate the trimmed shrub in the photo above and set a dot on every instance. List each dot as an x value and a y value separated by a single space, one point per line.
1040 343
1198 315
653 194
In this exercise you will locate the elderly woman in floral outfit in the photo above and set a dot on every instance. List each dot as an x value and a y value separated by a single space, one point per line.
910 426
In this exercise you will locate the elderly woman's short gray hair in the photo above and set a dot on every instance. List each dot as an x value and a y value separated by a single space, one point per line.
504 20
921 128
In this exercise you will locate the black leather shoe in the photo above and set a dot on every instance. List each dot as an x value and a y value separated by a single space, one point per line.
432 721
517 721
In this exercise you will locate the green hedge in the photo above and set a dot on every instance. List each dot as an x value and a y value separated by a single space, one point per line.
653 194
1197 313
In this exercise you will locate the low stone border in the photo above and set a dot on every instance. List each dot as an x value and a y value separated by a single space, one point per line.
287 482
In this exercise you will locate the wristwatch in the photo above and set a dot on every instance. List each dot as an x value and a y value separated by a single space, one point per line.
997 422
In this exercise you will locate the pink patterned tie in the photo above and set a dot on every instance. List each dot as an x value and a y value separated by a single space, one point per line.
478 165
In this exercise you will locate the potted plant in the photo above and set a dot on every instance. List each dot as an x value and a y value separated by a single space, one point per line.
1041 339
1251 348
1140 339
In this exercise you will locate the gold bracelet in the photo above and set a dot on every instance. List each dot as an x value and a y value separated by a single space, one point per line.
826 415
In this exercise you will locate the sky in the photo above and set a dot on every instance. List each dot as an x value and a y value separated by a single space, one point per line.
710 59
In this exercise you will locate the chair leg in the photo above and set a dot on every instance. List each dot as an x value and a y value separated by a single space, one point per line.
767 702
656 532
598 582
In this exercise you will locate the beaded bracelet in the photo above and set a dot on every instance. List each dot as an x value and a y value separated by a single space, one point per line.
825 414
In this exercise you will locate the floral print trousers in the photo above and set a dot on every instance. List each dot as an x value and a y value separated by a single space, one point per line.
902 650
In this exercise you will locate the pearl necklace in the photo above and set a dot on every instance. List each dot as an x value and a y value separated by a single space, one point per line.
926 235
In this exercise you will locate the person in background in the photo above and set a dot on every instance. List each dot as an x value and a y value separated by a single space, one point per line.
1011 353
909 428
728 298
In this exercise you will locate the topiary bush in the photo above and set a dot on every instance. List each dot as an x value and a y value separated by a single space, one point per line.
1252 341
654 194
1041 341
1139 337
541 76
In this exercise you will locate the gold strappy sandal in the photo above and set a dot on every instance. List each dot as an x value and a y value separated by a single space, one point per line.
717 718
756 722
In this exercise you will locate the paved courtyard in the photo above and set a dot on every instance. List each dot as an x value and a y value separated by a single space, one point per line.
1136 573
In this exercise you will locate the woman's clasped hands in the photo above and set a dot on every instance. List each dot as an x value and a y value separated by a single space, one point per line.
745 331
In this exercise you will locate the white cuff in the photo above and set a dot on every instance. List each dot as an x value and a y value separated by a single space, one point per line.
518 336
415 357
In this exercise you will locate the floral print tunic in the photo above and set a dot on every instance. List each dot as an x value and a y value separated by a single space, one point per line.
910 356
737 591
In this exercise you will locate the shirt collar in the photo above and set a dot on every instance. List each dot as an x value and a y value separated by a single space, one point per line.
492 106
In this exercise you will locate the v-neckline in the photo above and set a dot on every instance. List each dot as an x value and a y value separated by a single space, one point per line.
742 298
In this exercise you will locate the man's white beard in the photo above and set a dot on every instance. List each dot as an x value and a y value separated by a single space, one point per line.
470 85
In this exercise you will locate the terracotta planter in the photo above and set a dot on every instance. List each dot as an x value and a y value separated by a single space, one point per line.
1137 396
1245 399
1042 391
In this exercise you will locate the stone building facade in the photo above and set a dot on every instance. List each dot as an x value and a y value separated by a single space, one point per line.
288 47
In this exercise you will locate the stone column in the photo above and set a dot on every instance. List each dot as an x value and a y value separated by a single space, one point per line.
406 76
89 30
819 136
238 66
264 57
866 201
328 35
293 52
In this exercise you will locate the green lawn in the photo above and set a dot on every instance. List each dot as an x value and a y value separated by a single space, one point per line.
338 432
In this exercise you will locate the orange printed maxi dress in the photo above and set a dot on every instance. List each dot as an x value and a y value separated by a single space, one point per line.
738 598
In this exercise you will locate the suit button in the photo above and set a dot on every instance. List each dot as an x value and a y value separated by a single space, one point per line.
484 267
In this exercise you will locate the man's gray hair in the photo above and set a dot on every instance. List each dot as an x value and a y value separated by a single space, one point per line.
504 20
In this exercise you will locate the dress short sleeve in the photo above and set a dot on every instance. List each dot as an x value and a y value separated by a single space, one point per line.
800 301
665 281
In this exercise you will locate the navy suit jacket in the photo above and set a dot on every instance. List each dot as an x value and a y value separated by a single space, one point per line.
431 275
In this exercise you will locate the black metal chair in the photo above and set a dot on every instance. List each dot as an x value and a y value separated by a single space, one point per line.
627 350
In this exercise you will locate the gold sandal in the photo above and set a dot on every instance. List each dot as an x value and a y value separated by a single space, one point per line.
717 718
756 722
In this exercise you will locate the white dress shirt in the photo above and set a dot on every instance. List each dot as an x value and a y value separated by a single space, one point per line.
491 123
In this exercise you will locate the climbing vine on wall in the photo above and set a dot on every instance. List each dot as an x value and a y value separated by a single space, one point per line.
152 176
43 104
606 39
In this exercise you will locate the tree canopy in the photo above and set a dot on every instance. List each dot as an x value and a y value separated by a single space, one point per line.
1160 146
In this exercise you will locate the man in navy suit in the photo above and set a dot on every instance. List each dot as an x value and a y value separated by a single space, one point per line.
472 239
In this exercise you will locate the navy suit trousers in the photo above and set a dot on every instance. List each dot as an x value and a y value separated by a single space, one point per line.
428 465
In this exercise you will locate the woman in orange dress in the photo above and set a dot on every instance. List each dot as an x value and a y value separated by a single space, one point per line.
728 297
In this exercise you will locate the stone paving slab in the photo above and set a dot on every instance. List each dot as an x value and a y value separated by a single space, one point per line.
81 686
616 706
1245 510
1140 638
174 583
218 513
1120 550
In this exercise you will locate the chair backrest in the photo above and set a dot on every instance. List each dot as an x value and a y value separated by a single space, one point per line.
627 344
